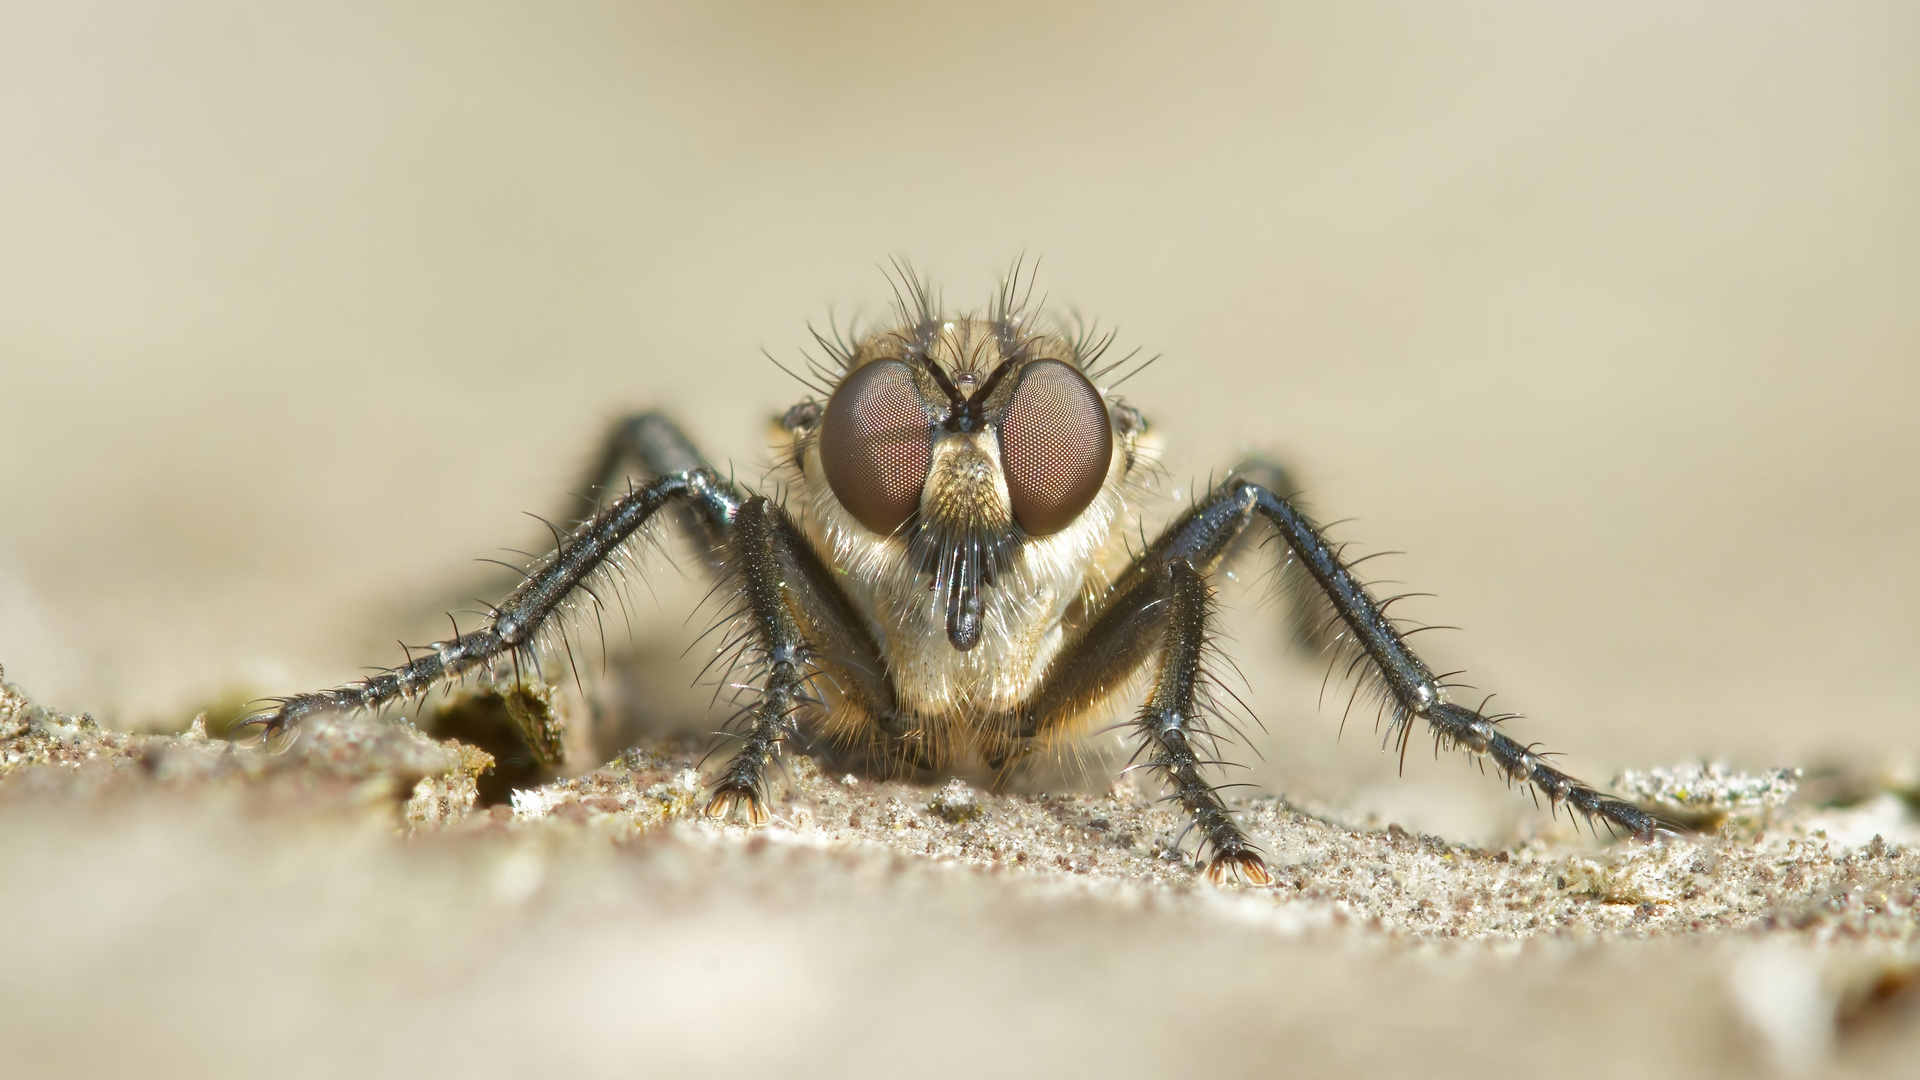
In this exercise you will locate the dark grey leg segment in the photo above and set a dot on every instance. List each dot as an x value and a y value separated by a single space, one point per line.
1175 723
648 440
778 654
513 630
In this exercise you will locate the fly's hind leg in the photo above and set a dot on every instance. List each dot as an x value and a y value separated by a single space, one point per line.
647 446
648 440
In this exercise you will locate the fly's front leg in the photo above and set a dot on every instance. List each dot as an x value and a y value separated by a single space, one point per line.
1174 719
776 651
802 631
1162 606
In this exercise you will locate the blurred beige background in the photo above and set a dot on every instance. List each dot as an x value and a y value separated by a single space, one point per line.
1608 315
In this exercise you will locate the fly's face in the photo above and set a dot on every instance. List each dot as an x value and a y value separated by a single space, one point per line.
972 457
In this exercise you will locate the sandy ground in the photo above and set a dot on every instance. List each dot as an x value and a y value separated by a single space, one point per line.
1603 315
345 907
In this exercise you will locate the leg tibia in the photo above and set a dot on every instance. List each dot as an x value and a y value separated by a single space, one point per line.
801 630
1174 722
775 657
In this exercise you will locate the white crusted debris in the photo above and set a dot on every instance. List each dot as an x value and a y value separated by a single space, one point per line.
532 803
1704 792
955 803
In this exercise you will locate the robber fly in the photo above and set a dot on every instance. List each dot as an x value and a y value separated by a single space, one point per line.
931 592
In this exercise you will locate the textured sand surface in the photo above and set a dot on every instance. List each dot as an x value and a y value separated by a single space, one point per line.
344 907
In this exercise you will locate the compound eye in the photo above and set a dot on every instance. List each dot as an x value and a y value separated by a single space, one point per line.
875 441
1055 445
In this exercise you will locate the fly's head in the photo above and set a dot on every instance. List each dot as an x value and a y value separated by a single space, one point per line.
960 446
